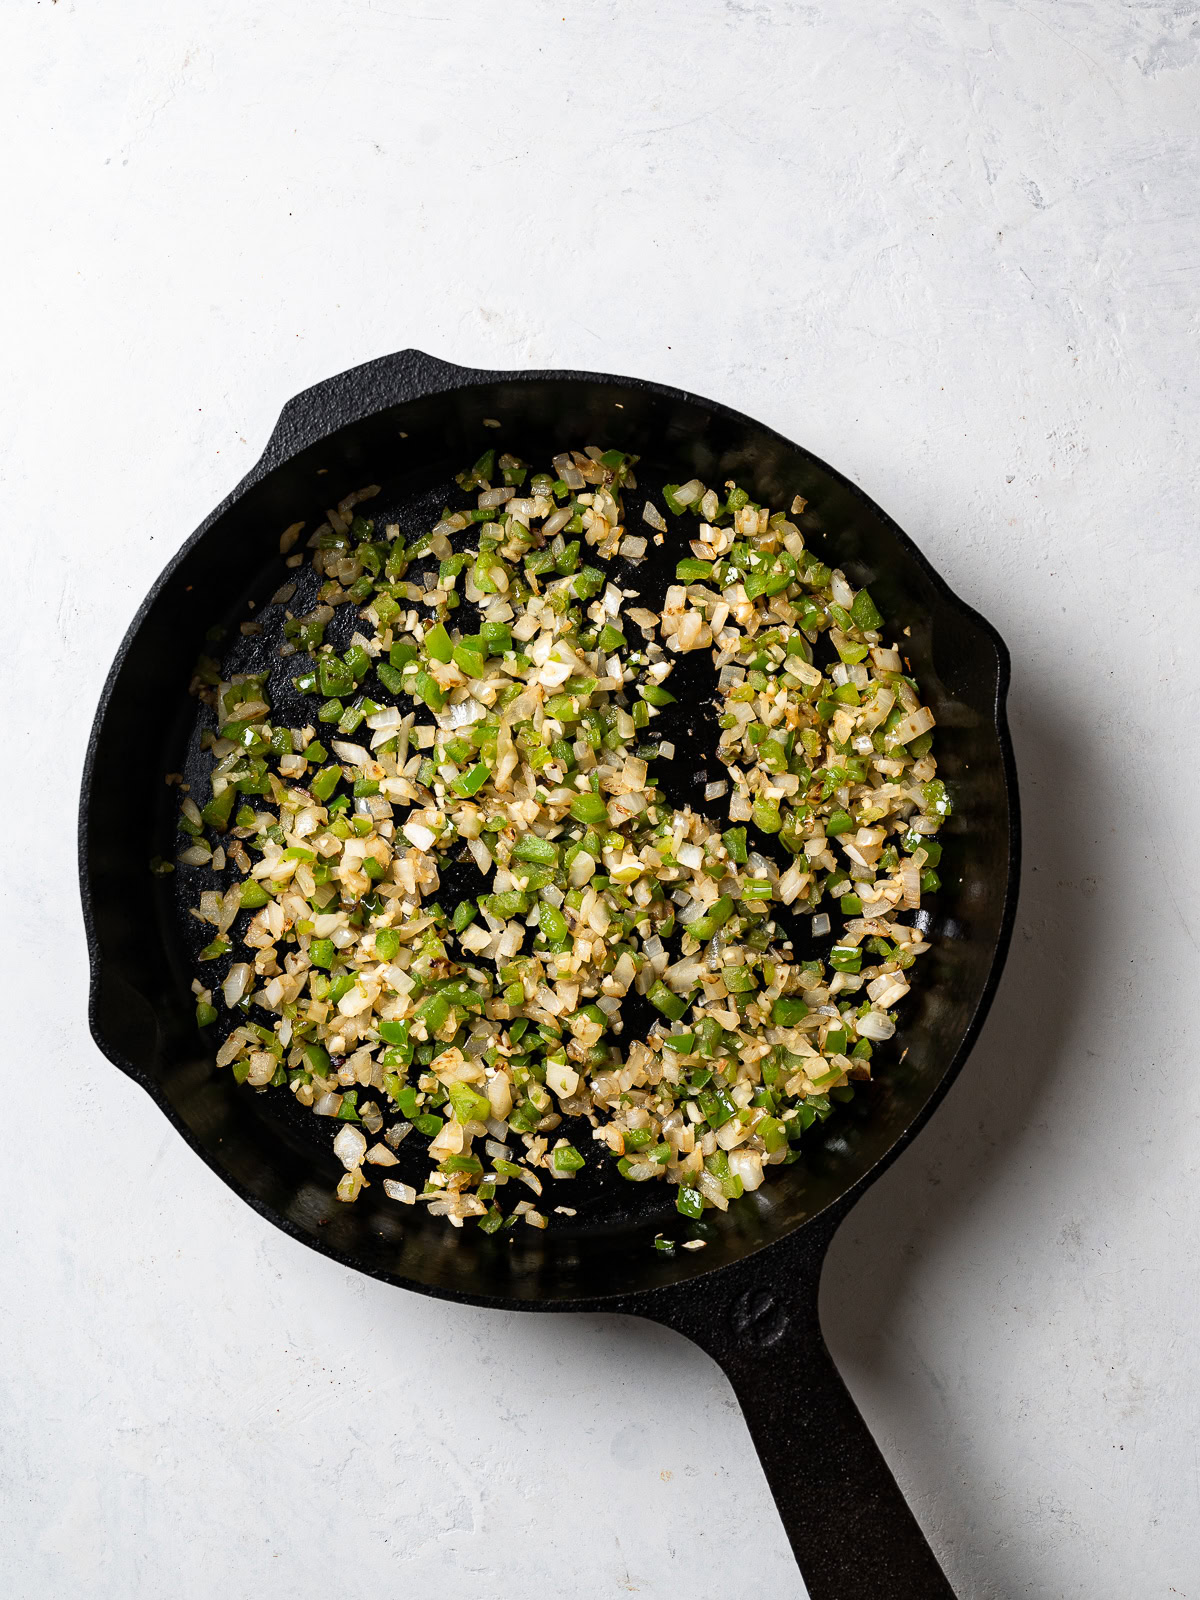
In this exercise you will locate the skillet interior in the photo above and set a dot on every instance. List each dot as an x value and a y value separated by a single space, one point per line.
277 1156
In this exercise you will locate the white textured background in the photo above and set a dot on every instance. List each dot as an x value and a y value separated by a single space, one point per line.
953 248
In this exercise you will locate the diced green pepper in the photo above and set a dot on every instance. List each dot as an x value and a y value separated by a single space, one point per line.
552 922
590 809
469 661
772 1132
716 1107
220 808
470 782
715 918
734 840
468 1104
670 1004
765 815
654 694
427 688
787 1011
325 782
437 643
334 677
497 638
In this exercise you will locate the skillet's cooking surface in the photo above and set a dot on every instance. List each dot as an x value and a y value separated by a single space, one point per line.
276 1153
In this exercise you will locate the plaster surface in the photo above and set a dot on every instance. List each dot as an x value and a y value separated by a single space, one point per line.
952 248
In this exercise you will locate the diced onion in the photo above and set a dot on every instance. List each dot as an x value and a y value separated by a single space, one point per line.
499 1025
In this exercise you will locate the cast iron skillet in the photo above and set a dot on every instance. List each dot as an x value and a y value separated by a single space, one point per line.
408 422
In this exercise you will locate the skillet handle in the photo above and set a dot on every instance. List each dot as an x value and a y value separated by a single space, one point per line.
852 1532
359 392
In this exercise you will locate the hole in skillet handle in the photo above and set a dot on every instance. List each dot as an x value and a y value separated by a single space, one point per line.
851 1530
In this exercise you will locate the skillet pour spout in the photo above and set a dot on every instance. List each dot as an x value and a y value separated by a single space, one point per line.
408 422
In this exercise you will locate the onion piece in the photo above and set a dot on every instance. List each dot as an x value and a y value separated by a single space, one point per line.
573 746
237 982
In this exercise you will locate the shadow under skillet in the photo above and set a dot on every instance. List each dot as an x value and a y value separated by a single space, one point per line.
912 1214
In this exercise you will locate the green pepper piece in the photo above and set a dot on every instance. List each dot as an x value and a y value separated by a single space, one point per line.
552 922
787 1011
497 638
717 1108
470 782
654 694
765 814
469 661
665 1000
680 1043
220 808
529 847
437 643
468 1104
334 677
357 660
406 1101
427 688
937 800
845 958
590 809
772 1132
734 840
325 782
717 915
433 1013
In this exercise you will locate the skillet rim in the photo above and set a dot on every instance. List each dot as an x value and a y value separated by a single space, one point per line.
418 376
